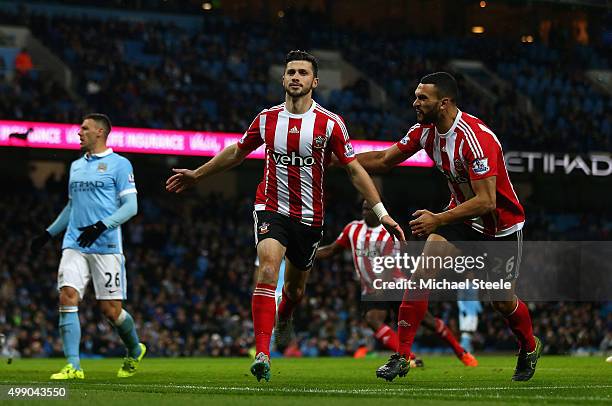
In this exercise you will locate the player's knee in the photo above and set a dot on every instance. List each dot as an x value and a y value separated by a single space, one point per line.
68 296
111 314
294 290
267 274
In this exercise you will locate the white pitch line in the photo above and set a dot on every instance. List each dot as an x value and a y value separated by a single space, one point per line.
458 395
365 391
534 397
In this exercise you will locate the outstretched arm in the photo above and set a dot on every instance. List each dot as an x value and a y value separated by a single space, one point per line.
328 251
382 161
185 178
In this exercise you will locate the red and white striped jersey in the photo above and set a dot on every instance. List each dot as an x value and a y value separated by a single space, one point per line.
365 244
298 148
470 151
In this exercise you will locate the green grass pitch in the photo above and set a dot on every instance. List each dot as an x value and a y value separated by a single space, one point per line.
322 381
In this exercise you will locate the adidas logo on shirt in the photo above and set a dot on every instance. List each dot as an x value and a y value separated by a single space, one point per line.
294 130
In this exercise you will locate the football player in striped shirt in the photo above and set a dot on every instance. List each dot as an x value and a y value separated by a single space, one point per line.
484 209
367 237
300 137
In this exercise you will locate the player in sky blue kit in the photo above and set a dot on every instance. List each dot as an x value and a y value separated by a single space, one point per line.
469 308
101 197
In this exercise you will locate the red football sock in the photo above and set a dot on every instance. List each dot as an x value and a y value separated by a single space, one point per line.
447 335
411 313
387 337
264 309
287 306
519 322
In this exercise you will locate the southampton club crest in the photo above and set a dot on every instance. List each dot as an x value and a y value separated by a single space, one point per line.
319 142
102 167
264 228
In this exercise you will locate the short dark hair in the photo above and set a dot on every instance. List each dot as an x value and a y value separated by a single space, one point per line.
445 84
102 120
298 55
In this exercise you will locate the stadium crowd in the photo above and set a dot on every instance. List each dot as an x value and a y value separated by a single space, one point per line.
190 275
30 97
215 77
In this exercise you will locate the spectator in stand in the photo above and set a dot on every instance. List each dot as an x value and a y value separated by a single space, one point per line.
23 62
2 69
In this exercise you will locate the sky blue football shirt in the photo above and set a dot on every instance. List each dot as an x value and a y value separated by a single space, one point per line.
97 183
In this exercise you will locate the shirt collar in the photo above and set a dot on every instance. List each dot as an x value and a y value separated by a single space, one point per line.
450 131
102 154
293 115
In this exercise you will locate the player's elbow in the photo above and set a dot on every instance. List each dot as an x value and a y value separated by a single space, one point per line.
488 204
354 170
133 210
131 207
